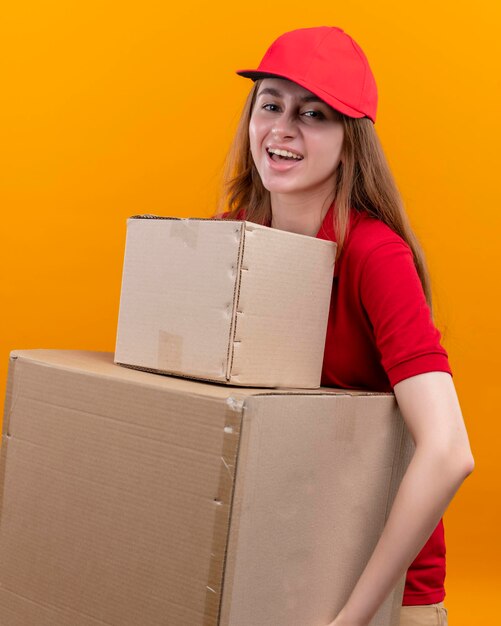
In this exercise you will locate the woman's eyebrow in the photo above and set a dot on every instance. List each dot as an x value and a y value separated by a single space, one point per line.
278 94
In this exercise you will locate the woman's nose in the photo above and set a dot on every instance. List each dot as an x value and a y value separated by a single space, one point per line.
283 128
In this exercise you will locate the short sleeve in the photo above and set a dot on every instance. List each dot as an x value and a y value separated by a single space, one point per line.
394 302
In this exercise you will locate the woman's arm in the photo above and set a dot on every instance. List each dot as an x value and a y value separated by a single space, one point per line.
441 461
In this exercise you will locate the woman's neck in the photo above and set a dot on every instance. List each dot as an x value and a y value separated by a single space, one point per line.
298 215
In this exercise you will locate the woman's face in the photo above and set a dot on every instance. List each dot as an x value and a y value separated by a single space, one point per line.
288 118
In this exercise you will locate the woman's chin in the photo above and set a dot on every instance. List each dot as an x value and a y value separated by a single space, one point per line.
282 187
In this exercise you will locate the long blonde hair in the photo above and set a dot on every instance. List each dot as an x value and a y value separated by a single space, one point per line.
363 181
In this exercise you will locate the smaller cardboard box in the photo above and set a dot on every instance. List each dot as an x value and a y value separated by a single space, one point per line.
225 301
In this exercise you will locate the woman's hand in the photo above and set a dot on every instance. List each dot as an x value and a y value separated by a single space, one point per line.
343 618
340 621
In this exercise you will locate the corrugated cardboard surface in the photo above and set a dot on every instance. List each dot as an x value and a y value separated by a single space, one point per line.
283 306
316 478
227 301
109 495
178 296
132 498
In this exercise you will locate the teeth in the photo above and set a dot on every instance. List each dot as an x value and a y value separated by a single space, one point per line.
285 153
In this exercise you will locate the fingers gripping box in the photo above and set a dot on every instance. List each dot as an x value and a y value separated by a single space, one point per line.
226 301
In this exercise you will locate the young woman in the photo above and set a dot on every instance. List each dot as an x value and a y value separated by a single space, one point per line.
306 159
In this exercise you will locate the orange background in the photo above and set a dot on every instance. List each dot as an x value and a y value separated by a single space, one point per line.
117 108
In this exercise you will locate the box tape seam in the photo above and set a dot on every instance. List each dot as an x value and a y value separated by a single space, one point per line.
169 350
12 392
187 231
10 403
223 516
236 297
152 216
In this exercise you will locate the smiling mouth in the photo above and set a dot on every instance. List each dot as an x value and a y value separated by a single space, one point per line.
283 155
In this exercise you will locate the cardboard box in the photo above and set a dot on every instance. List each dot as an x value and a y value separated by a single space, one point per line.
132 499
227 301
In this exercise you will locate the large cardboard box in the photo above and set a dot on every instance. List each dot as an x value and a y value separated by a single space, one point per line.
227 301
133 499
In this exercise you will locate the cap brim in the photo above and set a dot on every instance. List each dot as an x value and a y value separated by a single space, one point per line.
327 98
255 75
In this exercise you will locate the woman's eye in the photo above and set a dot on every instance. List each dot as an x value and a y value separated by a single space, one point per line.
270 107
314 114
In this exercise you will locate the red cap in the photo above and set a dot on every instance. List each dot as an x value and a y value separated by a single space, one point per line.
327 62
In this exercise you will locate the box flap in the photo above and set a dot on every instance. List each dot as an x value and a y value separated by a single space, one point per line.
282 309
